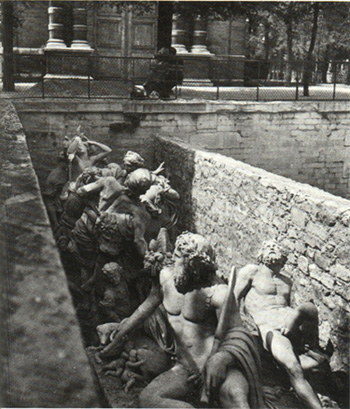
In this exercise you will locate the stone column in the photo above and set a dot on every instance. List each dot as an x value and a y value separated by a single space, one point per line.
178 34
55 40
80 27
200 36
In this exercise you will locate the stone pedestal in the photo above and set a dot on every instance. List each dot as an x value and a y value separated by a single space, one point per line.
55 41
80 28
179 34
200 36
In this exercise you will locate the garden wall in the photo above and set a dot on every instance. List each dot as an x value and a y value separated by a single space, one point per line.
238 207
305 141
43 362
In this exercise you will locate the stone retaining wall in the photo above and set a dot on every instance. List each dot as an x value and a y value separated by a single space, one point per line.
238 206
305 141
43 362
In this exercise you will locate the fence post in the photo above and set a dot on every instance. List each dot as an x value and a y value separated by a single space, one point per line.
257 83
43 73
297 87
133 79
89 72
334 80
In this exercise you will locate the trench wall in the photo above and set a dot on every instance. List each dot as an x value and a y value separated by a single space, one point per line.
305 141
43 362
238 207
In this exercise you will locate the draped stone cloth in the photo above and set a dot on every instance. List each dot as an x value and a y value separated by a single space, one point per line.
241 345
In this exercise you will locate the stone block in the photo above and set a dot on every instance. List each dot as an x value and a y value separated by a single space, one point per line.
342 290
322 261
347 140
298 217
340 272
208 121
318 230
303 264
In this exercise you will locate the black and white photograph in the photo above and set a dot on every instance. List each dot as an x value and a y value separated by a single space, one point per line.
175 204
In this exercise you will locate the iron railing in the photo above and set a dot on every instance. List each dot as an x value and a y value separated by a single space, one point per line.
53 75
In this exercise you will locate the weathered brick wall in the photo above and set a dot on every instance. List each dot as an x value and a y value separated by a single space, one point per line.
238 207
43 362
307 142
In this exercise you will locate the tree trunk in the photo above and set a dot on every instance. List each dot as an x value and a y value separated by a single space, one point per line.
288 77
7 43
307 73
267 43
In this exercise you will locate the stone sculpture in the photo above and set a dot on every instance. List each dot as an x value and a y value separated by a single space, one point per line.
108 188
115 303
192 296
132 161
285 332
54 184
83 153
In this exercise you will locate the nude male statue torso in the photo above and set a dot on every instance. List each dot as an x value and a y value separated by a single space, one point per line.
192 317
270 292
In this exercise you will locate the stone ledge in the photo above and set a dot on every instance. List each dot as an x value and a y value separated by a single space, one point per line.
182 106
43 360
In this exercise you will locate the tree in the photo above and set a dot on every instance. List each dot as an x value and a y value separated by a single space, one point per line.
7 27
307 71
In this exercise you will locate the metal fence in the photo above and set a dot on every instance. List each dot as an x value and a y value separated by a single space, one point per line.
54 75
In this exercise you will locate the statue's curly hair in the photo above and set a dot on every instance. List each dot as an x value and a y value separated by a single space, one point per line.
261 256
133 159
197 249
87 176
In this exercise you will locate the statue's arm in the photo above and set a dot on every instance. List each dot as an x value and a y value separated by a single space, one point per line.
244 281
153 300
172 194
106 150
90 187
139 236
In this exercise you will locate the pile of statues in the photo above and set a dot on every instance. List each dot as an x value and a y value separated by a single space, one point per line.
164 318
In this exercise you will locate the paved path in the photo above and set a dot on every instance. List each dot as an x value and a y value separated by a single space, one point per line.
79 88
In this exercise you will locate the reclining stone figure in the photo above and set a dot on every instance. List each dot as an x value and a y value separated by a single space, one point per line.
289 334
193 297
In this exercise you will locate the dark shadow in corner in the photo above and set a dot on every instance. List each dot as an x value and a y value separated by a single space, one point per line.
179 161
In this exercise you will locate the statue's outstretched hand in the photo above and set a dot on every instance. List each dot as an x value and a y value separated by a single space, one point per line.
215 370
117 338
159 169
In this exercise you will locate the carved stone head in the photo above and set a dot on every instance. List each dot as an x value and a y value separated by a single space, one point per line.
194 262
112 272
132 161
272 254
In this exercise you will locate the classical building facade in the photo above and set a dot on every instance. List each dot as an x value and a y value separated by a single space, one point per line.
77 28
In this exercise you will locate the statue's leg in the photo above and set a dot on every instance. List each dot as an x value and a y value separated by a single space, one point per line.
168 390
282 350
234 391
